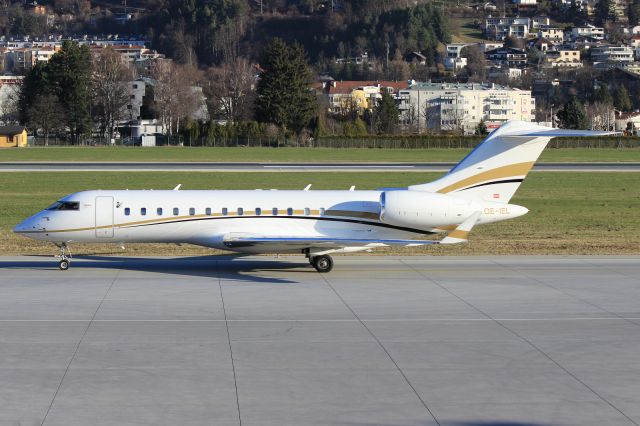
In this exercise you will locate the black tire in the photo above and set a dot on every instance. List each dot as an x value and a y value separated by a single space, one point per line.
63 265
323 264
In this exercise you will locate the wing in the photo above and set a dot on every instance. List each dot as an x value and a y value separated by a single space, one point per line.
238 241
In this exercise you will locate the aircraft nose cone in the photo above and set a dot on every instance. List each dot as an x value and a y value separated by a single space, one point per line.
20 228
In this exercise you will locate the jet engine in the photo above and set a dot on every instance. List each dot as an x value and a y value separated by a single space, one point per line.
424 210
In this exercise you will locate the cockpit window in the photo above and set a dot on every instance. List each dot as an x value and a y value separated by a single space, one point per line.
64 205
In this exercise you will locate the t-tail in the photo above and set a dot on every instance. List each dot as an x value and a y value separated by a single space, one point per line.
494 170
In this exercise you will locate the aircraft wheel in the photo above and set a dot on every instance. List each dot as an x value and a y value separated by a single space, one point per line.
322 263
63 265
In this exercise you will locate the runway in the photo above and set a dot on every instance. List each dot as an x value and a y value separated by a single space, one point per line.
460 341
287 167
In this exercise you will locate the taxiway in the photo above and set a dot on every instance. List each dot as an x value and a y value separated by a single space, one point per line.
463 341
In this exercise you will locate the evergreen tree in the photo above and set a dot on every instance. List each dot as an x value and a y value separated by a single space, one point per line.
386 115
621 99
69 72
481 129
633 12
601 94
573 115
284 91
604 11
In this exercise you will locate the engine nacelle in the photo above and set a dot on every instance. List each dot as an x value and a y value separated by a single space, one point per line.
424 210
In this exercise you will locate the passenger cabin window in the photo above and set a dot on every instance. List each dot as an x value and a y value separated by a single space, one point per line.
207 211
127 211
143 211
176 211
240 211
64 205
224 211
274 211
192 211
159 211
290 211
258 211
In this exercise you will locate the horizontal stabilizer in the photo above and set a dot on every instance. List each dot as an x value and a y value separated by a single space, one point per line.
460 234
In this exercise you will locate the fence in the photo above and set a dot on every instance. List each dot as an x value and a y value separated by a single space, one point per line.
369 142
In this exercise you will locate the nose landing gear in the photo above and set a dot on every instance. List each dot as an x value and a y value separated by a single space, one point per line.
64 259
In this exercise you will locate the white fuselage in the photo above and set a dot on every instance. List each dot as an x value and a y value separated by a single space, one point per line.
206 217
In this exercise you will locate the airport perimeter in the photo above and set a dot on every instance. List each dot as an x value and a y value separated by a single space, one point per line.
263 341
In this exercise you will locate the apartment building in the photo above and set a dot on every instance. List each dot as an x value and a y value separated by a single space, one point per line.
461 106
501 28
616 54
553 34
563 58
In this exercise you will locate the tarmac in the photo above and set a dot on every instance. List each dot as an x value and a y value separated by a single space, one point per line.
406 341
79 166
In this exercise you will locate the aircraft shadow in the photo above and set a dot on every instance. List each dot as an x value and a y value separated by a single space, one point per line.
227 267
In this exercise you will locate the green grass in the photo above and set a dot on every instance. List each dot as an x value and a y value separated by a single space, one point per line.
570 213
463 31
292 154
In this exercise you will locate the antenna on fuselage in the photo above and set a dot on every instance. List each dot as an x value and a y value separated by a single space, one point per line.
177 188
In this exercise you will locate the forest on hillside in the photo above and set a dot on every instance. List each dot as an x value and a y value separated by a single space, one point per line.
202 33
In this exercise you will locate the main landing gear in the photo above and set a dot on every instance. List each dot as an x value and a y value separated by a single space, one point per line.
64 259
322 263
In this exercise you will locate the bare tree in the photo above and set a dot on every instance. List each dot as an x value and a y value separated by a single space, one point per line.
230 89
110 91
47 114
10 106
174 97
601 116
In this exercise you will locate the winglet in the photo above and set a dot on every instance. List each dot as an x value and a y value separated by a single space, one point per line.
460 234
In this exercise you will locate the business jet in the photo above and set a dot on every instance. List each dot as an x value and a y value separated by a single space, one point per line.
315 223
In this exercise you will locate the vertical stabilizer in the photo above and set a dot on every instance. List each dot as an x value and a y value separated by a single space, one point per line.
494 170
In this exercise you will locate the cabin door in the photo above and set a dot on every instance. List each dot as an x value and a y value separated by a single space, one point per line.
104 217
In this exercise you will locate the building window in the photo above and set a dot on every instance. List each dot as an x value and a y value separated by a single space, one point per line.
143 211
176 211
207 211
224 211
274 211
307 211
159 211
240 211
135 86
258 211
289 211
322 211
192 211
127 211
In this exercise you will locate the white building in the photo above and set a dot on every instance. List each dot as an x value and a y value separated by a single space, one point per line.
461 106
452 60
612 54
596 33
500 28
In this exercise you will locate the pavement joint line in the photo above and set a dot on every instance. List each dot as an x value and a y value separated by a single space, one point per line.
529 342
233 366
406 379
610 269
566 293
75 352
